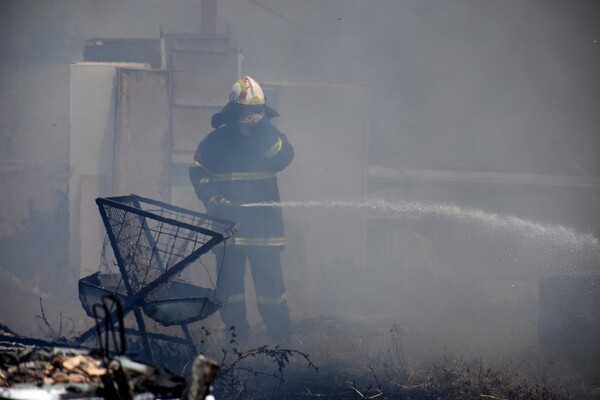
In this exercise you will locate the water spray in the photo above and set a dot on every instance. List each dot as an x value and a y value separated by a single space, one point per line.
555 233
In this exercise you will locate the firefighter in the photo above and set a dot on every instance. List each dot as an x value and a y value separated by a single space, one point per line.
235 168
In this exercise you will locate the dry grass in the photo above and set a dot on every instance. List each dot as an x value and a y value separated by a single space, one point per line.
358 360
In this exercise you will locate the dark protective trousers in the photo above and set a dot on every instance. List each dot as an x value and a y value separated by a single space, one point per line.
265 266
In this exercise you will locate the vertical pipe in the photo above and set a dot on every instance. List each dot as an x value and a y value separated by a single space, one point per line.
240 60
208 17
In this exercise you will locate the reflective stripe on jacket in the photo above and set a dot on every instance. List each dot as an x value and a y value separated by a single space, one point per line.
242 169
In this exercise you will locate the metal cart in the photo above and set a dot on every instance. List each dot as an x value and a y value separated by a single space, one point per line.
153 242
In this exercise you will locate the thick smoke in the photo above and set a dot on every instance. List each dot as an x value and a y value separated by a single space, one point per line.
446 152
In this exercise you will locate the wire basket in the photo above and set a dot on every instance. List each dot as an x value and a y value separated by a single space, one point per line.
153 242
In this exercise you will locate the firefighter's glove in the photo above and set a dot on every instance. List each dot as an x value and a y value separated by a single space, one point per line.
219 203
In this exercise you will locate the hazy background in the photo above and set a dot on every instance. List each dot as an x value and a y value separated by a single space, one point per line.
509 90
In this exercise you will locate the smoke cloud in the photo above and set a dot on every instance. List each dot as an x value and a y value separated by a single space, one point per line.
446 153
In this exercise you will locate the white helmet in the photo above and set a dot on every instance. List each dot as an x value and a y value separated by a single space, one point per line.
247 91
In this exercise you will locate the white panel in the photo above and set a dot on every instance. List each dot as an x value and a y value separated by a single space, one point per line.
142 139
91 142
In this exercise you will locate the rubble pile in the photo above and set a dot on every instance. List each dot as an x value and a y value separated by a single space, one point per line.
48 366
59 371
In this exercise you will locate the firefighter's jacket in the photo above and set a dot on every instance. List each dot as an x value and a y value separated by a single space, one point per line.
243 170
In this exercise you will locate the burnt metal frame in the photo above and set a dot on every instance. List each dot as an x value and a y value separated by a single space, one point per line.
136 300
